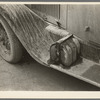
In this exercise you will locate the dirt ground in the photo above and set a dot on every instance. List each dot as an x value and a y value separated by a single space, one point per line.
28 75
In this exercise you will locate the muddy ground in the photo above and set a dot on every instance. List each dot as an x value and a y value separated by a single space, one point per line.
30 75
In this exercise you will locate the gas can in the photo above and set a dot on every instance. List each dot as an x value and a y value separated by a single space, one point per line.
66 55
65 51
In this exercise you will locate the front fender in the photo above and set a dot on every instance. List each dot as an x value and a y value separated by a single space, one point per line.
30 30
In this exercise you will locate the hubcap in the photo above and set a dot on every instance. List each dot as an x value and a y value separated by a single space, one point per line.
4 41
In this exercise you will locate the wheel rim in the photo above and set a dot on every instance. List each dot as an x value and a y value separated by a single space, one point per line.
5 48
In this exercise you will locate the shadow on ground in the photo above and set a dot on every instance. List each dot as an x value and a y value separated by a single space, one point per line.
28 75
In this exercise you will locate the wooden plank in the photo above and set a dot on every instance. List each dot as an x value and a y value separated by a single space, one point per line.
90 52
78 20
94 23
63 15
82 16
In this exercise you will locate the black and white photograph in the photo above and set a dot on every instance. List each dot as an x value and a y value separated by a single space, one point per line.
49 47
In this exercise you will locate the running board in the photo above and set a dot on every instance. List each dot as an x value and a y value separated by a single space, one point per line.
87 67
83 69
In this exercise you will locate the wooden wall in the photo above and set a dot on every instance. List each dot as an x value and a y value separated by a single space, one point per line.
81 20
78 20
84 21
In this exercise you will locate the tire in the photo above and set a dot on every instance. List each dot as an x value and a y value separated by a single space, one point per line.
11 49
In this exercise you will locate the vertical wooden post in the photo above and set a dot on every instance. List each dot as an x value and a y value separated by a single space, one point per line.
63 15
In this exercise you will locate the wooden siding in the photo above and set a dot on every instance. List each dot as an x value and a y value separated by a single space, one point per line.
81 17
94 23
74 18
63 15
78 20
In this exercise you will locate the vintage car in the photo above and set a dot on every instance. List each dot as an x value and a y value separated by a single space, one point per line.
61 36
